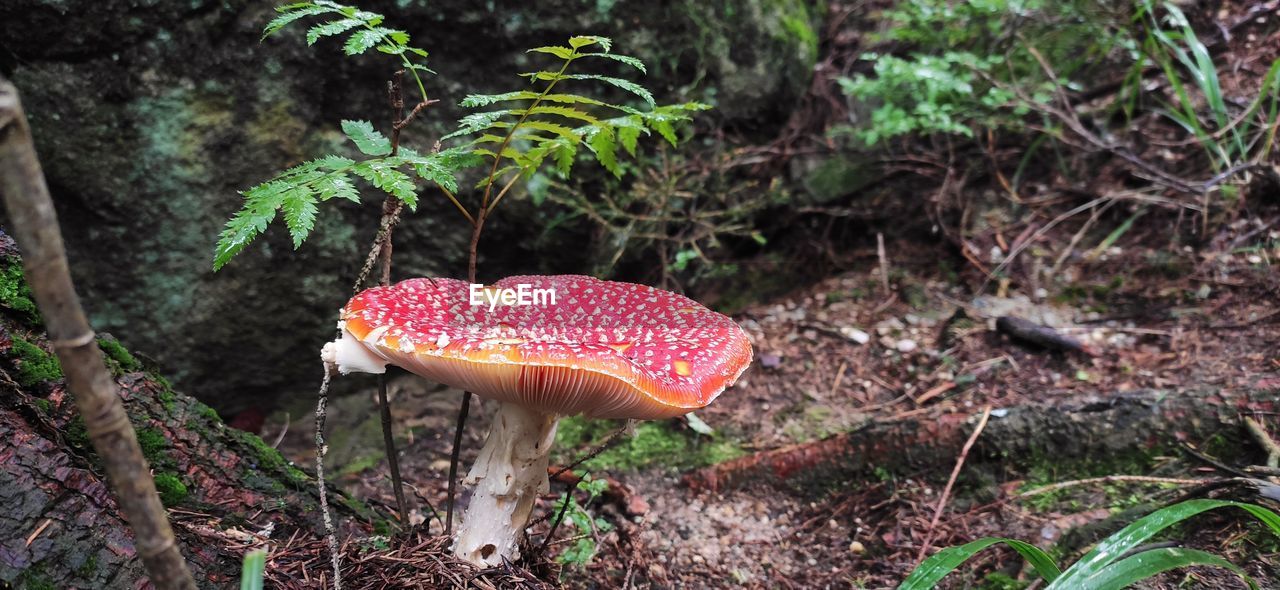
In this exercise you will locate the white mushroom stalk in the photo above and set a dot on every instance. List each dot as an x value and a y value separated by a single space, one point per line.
602 349
509 476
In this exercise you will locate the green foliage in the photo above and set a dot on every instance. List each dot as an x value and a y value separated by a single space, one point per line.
531 127
14 293
583 550
172 490
251 572
1112 563
1172 45
969 64
34 365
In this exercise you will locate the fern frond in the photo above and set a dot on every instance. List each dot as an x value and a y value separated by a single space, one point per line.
299 206
581 41
382 174
367 139
331 28
626 59
627 85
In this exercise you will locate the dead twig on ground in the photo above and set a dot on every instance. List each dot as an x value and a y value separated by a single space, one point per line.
951 482
1134 479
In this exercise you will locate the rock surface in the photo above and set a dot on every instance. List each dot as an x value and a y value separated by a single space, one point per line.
149 117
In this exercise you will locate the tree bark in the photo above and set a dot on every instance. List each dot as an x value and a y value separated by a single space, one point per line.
1106 426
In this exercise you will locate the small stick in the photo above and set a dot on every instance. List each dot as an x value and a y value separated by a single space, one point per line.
1042 336
884 265
1260 435
1138 479
331 535
835 385
951 482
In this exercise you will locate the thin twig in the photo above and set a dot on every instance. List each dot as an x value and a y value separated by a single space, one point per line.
331 534
884 265
951 482
1138 479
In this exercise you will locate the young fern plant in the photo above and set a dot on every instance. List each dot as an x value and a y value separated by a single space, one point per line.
297 191
530 126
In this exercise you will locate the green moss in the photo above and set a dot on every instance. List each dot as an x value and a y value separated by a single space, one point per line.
655 444
35 366
76 434
45 406
34 578
269 458
88 568
153 445
118 353
14 293
167 397
172 490
208 413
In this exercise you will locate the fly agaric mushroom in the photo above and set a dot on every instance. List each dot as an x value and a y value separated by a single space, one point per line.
599 348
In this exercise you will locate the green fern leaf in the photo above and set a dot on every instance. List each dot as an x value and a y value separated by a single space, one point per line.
627 85
603 143
584 40
366 138
565 153
438 168
566 112
291 13
626 59
360 41
328 29
299 206
628 137
557 129
383 175
477 122
252 219
556 50
336 186
545 76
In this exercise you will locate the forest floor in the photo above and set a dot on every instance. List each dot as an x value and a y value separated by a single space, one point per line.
903 342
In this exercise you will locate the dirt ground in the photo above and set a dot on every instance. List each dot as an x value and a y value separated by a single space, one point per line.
847 352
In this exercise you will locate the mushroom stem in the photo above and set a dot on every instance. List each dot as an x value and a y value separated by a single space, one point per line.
509 475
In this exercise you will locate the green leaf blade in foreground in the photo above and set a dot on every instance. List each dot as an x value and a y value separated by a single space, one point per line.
255 563
938 565
1143 565
1144 528
627 85
360 41
366 138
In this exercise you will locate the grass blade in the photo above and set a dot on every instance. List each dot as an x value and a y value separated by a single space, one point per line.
1149 563
937 566
255 563
1144 528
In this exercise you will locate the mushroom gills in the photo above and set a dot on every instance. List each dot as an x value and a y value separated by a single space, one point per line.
509 475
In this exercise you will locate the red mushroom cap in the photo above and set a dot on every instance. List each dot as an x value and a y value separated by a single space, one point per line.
605 349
